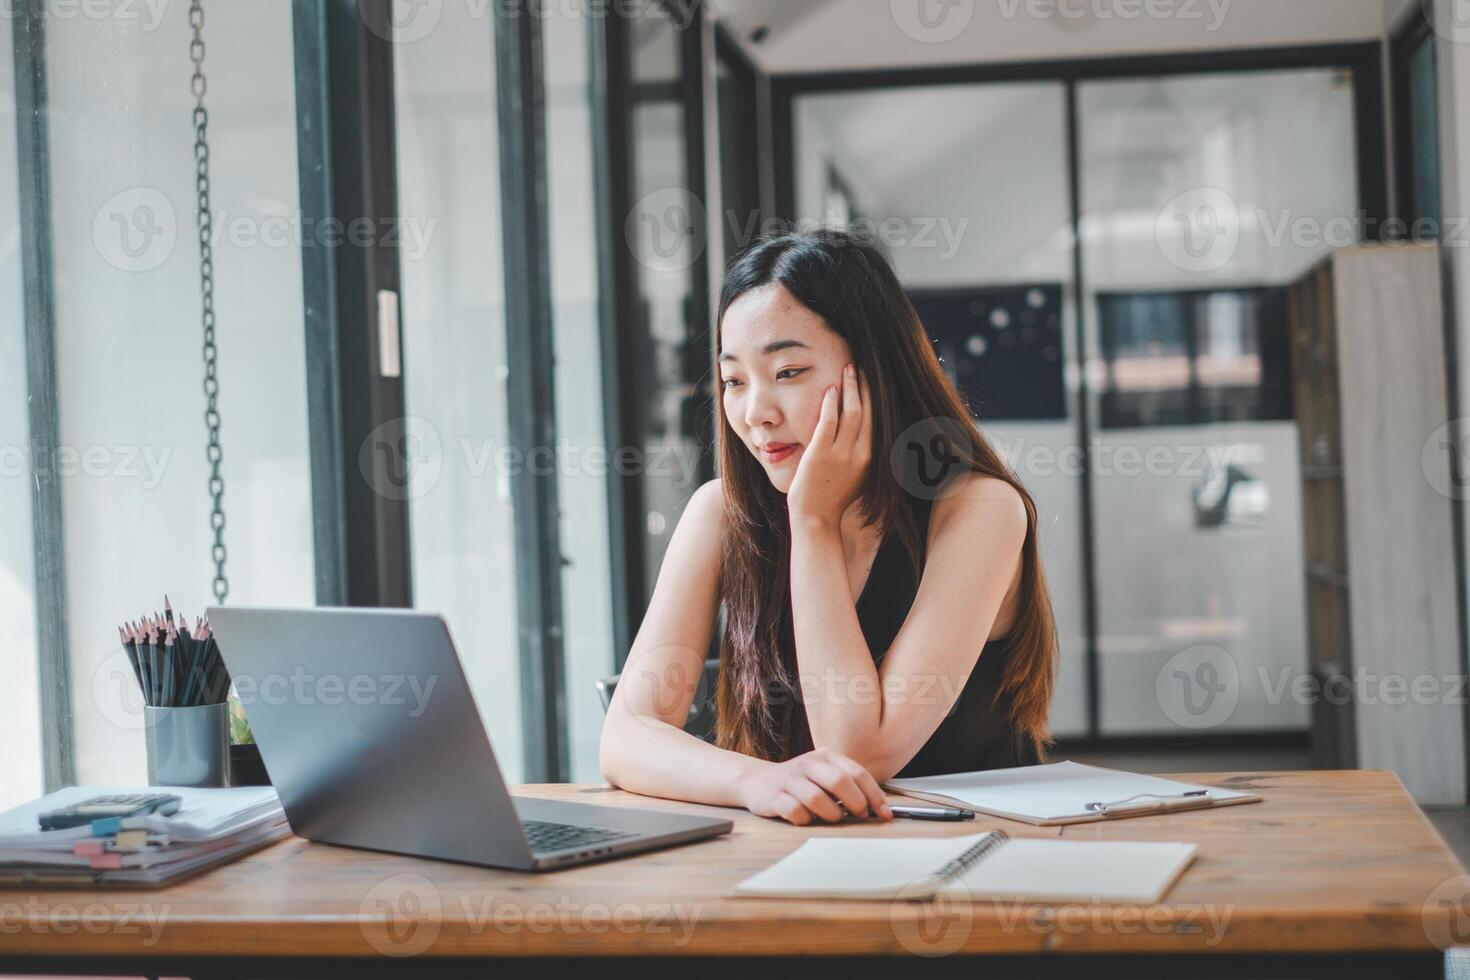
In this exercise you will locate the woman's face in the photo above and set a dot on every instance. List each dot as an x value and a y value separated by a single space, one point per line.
776 360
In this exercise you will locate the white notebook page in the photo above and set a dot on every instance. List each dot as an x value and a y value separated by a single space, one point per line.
1081 871
1018 868
856 866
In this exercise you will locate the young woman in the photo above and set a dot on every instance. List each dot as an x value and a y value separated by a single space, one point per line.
885 608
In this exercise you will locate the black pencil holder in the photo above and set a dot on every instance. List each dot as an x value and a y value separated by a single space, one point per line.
188 746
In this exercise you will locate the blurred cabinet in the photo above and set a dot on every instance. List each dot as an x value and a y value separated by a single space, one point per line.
1373 409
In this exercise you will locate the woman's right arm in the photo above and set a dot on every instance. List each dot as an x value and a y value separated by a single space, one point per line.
644 747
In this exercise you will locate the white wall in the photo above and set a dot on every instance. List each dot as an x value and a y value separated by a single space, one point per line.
20 716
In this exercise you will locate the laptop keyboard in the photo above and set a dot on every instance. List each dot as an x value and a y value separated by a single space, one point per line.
546 836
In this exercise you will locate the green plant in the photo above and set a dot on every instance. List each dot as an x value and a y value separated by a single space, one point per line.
240 733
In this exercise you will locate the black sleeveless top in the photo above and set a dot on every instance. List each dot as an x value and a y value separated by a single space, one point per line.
977 733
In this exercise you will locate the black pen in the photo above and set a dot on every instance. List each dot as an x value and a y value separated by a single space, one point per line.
931 813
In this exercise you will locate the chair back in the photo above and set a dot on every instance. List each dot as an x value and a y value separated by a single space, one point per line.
701 720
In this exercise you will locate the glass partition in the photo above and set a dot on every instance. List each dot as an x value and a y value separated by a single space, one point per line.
583 467
1203 198
454 355
991 274
672 394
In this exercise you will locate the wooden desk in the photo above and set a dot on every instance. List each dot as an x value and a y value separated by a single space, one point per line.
1336 873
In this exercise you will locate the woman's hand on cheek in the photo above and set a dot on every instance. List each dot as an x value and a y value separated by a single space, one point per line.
831 471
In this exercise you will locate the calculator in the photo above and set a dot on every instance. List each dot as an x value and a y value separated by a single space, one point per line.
116 805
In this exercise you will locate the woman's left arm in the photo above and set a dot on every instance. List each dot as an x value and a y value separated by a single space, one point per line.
882 717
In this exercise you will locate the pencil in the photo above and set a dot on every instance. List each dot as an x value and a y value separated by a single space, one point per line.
168 667
174 665
132 651
156 660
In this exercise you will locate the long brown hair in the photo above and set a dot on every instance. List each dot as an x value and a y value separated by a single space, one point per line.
920 422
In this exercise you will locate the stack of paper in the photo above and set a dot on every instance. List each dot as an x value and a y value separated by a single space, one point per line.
210 827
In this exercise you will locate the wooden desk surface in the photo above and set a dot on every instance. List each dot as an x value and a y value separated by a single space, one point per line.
1330 862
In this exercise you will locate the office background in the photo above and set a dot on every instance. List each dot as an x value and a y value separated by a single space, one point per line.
545 197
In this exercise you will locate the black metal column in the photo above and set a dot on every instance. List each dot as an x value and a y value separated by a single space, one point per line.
531 389
608 74
699 356
1090 603
361 452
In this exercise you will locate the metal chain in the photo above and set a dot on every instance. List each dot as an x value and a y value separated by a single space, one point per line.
213 453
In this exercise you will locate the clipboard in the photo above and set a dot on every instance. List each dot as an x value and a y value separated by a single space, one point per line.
1146 803
1066 793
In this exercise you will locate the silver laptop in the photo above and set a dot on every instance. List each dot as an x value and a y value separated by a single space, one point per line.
372 738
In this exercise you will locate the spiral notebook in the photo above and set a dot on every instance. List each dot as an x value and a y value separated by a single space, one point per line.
976 866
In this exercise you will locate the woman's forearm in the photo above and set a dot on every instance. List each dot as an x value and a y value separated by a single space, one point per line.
840 684
647 756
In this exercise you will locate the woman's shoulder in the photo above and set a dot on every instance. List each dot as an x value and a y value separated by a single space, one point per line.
984 520
694 549
981 504
706 507
708 499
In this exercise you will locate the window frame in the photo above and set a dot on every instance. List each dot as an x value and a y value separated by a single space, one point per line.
1406 41
58 735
